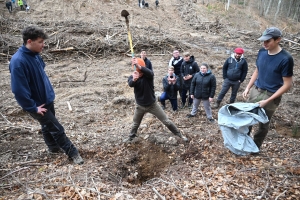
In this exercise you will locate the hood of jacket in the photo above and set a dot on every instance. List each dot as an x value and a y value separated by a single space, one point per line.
206 74
232 56
192 59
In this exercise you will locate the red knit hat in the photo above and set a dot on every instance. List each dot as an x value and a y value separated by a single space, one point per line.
141 63
239 50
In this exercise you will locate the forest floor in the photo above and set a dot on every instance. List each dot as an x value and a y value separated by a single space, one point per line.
88 62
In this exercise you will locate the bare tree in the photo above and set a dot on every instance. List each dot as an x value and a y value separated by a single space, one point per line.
277 11
227 5
268 8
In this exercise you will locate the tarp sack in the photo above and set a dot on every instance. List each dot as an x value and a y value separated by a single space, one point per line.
234 121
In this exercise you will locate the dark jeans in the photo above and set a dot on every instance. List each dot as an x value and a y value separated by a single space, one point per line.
164 96
234 85
183 97
257 95
181 83
157 111
9 6
53 132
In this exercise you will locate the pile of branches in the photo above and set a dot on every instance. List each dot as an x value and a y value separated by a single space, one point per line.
67 37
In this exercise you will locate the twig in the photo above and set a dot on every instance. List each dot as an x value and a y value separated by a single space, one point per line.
159 195
6 119
265 190
5 152
75 187
281 194
203 179
96 188
13 172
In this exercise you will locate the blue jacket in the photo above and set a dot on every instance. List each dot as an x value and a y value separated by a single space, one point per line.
235 70
29 82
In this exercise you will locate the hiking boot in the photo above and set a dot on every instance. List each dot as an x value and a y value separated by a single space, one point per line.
184 139
190 105
181 136
211 120
190 115
77 159
55 151
216 104
163 107
130 138
182 106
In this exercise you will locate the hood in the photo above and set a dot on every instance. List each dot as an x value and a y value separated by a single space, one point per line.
232 56
192 59
206 74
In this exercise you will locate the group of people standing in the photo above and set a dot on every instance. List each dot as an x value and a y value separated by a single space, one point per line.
196 84
11 4
271 79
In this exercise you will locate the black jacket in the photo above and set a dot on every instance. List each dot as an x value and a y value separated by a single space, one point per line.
189 68
143 88
171 89
203 86
235 70
148 64
176 63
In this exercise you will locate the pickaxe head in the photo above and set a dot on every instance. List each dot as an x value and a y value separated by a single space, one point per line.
125 14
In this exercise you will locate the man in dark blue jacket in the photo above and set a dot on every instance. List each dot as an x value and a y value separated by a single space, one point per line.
34 93
146 60
142 82
189 68
235 71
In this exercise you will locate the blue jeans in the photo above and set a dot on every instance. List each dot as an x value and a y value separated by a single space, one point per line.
53 132
234 85
164 96
183 97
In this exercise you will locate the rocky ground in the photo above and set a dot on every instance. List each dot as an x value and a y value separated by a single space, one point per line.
88 62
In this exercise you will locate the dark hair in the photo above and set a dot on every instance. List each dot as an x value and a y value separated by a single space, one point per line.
33 33
205 64
275 38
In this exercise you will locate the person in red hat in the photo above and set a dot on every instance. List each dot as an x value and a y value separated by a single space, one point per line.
272 78
235 71
142 80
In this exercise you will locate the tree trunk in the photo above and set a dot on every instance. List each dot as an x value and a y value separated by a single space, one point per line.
277 11
289 10
227 5
268 8
261 7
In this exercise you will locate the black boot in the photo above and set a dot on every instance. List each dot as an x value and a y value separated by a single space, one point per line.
182 105
216 105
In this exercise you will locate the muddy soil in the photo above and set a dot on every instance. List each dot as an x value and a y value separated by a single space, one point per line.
92 77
